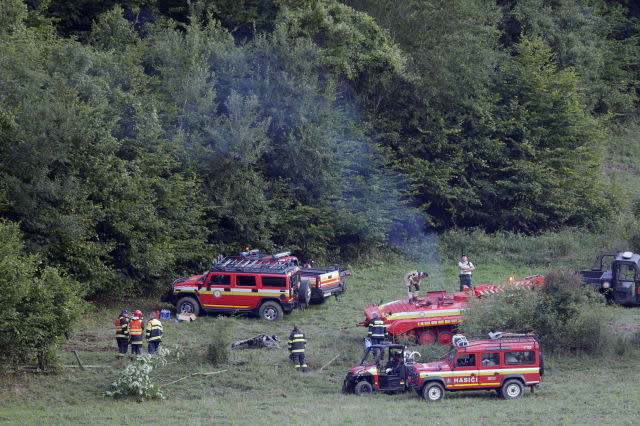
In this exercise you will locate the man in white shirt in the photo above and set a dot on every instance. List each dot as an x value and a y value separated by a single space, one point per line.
466 268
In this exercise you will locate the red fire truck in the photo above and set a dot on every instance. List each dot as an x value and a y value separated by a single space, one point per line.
434 318
238 284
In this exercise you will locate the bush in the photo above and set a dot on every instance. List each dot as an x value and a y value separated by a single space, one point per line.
135 379
218 350
38 305
562 314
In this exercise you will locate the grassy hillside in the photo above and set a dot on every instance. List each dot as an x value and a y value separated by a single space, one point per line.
262 386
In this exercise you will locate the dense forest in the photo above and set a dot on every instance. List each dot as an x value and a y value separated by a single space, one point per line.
140 138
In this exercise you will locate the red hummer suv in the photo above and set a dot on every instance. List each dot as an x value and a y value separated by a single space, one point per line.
238 284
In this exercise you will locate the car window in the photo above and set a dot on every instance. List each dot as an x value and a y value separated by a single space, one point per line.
466 360
490 359
245 280
626 272
279 282
520 357
220 280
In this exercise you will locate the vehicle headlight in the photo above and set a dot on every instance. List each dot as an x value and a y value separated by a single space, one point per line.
606 284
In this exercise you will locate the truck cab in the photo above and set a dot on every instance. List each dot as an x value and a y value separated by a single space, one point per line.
616 276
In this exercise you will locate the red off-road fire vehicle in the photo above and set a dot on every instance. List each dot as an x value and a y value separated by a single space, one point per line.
238 284
434 318
506 364
384 367
322 282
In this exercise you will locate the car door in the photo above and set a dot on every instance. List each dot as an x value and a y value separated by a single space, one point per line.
489 370
465 371
245 291
217 292
625 282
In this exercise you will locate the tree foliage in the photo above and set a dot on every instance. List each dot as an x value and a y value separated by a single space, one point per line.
139 138
39 306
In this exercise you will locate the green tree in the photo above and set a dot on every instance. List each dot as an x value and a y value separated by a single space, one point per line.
39 306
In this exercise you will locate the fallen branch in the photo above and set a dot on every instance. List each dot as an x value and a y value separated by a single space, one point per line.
85 366
191 375
78 359
332 359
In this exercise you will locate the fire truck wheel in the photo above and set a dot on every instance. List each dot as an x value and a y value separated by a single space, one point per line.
305 291
188 305
363 388
512 389
445 338
433 392
427 338
270 311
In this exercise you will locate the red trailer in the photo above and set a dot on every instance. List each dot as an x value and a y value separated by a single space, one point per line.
435 318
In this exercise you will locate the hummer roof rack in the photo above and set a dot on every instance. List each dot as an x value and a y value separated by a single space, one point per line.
242 264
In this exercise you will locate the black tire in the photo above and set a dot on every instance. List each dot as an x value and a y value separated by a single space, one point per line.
363 388
189 305
270 311
432 392
304 293
512 389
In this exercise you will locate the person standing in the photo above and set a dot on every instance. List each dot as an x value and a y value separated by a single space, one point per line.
153 333
412 281
122 332
135 332
466 268
297 343
377 333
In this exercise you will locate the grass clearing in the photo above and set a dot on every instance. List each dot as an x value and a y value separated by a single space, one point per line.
262 386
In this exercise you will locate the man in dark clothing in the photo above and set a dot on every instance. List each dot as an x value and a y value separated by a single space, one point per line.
297 343
153 333
122 332
377 333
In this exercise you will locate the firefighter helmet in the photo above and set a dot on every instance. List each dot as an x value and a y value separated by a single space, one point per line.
138 313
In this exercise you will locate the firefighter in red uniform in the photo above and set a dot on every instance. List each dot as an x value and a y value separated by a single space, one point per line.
297 342
153 333
135 332
122 332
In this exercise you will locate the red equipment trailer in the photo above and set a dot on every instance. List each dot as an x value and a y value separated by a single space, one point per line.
435 318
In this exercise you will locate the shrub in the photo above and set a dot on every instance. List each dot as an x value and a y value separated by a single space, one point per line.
562 314
218 349
38 305
135 378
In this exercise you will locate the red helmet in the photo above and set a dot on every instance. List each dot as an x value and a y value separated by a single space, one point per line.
138 313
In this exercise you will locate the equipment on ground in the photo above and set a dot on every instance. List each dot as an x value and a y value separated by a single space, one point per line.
616 276
262 340
435 317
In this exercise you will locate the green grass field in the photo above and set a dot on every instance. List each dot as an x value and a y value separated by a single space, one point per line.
261 386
